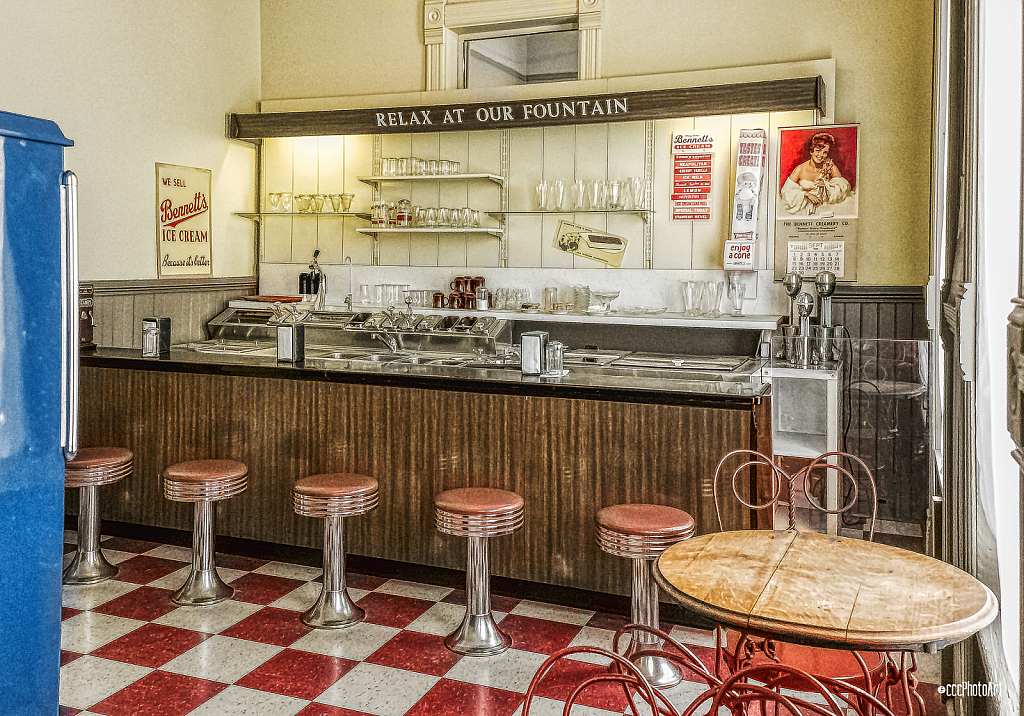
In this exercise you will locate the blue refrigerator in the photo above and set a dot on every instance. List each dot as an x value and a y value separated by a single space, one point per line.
38 403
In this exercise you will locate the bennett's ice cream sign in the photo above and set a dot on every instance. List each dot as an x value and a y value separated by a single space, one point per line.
692 165
183 221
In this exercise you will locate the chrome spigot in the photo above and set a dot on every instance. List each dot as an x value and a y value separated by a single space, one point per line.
804 306
321 291
792 283
392 340
348 298
825 283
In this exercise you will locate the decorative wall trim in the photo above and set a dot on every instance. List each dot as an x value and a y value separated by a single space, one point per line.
879 293
177 285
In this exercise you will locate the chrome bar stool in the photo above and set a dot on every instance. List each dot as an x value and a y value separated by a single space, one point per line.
204 482
478 513
91 468
334 497
641 533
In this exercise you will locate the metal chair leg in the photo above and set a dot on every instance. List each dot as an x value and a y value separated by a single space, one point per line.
333 609
203 586
88 566
478 634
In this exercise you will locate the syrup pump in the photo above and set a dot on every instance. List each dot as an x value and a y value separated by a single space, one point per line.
825 284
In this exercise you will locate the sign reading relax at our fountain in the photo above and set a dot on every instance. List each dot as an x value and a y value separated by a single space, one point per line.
590 243
183 221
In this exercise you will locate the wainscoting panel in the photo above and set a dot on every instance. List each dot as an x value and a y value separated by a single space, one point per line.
120 307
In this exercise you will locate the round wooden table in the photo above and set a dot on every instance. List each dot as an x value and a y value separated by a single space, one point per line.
848 594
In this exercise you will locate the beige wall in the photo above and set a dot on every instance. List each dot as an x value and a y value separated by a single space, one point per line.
883 54
134 83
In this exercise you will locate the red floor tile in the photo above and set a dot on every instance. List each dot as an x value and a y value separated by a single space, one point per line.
540 636
413 651
68 612
458 698
363 581
125 544
566 675
144 603
498 602
142 569
270 626
612 622
66 711
297 673
392 610
159 694
66 657
325 710
262 588
234 561
150 645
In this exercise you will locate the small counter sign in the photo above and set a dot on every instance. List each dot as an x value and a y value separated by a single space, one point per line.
183 221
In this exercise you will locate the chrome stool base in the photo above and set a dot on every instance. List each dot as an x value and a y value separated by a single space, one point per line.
478 635
88 567
202 588
333 610
659 671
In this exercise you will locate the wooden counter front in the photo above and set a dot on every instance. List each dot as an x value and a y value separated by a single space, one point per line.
568 457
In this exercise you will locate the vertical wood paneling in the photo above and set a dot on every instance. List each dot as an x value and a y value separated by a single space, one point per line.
567 457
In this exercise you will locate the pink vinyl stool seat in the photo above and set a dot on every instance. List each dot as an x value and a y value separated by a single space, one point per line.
478 513
334 497
641 533
91 468
204 482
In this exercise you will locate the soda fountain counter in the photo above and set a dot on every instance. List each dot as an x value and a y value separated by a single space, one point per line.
643 414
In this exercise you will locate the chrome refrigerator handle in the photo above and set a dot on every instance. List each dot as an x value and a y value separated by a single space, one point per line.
69 314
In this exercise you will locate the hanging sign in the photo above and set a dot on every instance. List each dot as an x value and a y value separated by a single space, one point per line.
691 176
183 221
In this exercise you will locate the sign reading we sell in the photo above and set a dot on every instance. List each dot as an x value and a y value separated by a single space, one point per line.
183 221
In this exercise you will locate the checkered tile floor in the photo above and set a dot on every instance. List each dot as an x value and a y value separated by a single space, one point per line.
127 650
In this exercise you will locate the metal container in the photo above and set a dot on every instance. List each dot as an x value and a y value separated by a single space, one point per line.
156 337
291 342
534 352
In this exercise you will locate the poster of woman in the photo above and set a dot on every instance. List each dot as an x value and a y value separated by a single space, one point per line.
818 171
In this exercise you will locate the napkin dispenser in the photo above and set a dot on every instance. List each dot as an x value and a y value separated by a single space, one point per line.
291 342
156 337
534 352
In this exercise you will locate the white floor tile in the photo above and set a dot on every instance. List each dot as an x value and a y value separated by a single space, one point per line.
301 599
222 658
511 671
355 642
414 590
238 701
88 680
173 580
440 620
209 620
693 637
549 707
378 690
170 551
592 636
290 571
553 613
88 596
230 575
116 556
88 631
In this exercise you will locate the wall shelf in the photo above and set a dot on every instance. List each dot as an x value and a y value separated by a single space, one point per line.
262 215
500 215
431 177
417 230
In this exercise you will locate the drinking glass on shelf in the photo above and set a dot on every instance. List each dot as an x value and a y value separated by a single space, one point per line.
596 194
712 298
433 167
615 197
474 222
578 194
402 166
274 200
444 218
444 167
302 203
319 201
557 195
364 294
389 166
454 167
466 217
346 201
286 202
543 195
336 202
430 218
693 292
378 294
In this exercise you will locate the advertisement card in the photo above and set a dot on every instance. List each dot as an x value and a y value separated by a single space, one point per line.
183 221
817 204
691 176
590 243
